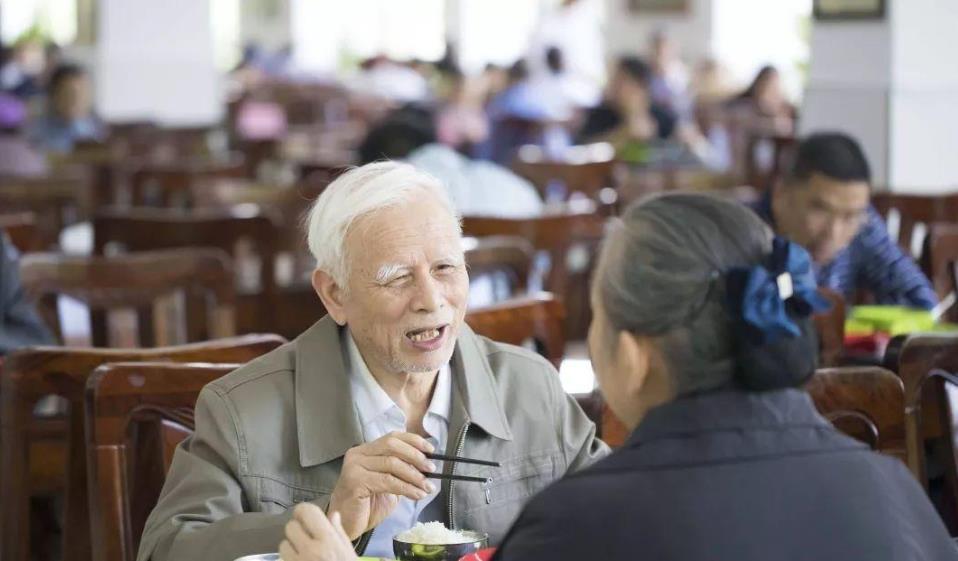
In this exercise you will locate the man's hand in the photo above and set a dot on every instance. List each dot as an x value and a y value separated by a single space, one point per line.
375 475
310 536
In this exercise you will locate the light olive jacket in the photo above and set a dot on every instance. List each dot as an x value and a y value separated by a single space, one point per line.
273 433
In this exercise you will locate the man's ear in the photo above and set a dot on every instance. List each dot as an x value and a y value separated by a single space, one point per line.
331 294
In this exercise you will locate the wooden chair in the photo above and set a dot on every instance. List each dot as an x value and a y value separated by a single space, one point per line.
940 261
250 237
867 403
536 318
137 281
783 146
926 363
56 202
831 329
590 177
21 227
908 216
48 455
559 235
123 487
492 255
170 184
518 320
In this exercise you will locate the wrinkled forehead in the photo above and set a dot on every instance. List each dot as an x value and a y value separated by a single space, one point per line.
404 233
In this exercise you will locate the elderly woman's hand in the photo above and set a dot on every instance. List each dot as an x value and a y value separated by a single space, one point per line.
310 536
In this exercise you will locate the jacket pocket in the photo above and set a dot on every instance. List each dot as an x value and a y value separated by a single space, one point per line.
276 496
516 481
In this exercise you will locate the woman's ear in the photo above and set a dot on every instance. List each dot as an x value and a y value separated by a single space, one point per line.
331 294
635 357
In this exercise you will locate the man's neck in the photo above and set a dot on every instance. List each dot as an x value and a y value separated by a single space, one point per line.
412 392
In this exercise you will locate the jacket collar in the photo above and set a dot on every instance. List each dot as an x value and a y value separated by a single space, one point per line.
729 411
326 423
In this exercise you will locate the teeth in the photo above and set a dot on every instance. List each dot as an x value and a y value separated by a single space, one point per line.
425 335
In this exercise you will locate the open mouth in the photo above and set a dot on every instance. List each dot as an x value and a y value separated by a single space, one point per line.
427 335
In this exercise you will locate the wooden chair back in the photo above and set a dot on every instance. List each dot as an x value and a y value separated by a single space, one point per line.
831 329
138 281
926 363
555 233
252 238
940 261
170 184
909 216
32 374
149 229
867 403
782 146
516 321
124 486
509 255
56 202
589 178
22 230
571 239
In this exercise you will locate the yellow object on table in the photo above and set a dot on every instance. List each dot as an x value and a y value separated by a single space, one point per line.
893 320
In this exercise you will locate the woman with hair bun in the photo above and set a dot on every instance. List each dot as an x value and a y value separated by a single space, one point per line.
701 340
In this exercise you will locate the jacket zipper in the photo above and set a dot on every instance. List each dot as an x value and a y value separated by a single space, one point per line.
363 542
460 442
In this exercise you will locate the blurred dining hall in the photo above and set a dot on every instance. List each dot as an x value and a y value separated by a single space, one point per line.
471 280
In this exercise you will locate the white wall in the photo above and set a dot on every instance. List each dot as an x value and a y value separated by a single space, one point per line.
155 61
849 86
894 84
630 33
924 97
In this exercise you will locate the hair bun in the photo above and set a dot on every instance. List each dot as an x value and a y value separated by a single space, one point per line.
786 363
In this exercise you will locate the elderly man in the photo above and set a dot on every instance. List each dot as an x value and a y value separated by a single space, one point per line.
342 417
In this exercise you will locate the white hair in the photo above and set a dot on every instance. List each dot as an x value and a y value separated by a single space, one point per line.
356 193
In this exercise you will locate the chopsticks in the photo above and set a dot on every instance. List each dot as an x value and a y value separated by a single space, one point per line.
445 458
454 477
457 459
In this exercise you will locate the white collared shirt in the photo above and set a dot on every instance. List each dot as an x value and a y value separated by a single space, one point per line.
379 415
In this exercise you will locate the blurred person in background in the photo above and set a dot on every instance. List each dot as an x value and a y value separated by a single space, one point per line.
522 115
23 68
476 187
823 204
764 103
575 29
462 122
669 84
68 116
628 112
17 156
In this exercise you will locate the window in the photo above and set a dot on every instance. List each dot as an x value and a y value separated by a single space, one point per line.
54 19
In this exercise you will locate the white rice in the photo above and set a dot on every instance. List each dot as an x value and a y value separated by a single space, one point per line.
432 533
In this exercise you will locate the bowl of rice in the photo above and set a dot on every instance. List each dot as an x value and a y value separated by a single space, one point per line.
432 541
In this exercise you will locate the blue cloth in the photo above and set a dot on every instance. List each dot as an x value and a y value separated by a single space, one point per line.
756 293
872 262
20 325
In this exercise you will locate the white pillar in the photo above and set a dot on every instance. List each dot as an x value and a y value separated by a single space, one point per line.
894 85
156 61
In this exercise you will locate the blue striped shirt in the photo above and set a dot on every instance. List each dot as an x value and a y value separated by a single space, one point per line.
871 262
